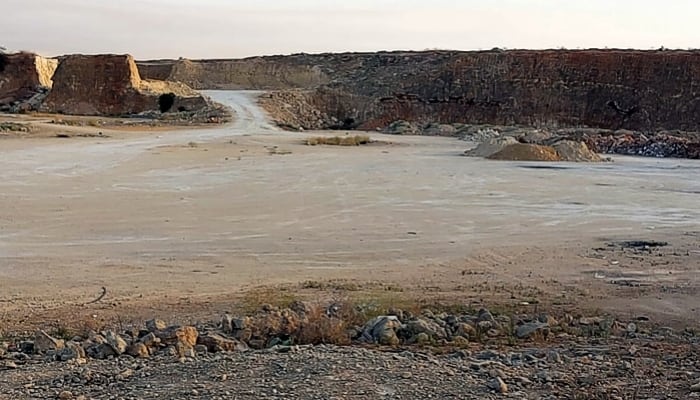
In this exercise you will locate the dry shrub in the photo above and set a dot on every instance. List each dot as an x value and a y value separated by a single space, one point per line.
356 140
321 328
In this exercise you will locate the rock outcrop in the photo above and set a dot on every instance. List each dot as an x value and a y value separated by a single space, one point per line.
23 76
110 85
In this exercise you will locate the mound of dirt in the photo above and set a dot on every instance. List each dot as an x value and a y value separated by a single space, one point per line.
491 147
569 150
526 152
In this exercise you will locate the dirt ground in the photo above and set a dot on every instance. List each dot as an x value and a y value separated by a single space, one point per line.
186 222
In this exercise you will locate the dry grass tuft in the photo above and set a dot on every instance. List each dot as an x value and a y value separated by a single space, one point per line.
356 140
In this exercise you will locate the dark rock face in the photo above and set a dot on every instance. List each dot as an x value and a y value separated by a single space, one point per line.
23 75
611 89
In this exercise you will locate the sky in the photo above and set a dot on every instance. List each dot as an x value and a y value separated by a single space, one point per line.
151 29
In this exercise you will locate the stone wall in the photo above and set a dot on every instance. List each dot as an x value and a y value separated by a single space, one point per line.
111 85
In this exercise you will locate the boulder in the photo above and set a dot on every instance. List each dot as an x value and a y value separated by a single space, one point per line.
138 350
43 342
216 343
381 330
153 325
178 335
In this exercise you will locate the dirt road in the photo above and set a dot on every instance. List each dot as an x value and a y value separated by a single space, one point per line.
200 213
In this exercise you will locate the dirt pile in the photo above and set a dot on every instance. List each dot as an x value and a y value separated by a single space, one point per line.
526 152
569 150
110 85
491 146
22 77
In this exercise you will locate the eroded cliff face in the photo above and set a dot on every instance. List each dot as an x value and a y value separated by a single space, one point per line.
611 89
23 75
111 85
263 73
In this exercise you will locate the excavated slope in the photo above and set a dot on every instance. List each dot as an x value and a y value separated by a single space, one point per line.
611 89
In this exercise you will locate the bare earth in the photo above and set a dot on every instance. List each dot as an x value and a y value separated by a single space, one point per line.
183 222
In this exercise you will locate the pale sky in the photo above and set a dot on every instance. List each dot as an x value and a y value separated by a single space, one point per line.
239 28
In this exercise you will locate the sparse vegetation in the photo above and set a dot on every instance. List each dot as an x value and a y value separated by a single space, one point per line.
355 140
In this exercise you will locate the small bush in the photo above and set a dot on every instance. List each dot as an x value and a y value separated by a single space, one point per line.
356 140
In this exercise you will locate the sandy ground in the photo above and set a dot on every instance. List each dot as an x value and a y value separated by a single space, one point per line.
189 219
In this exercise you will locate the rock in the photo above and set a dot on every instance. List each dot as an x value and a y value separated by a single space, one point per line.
8 364
116 342
153 325
554 357
695 388
138 350
528 329
430 328
439 130
150 340
465 330
460 341
421 338
498 385
26 347
402 127
72 351
381 330
216 343
178 335
227 323
125 374
43 342
590 320
65 395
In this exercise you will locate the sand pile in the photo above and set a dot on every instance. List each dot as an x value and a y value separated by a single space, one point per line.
491 146
526 152
569 150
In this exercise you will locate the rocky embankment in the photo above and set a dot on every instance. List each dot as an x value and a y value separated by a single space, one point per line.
277 353
609 89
